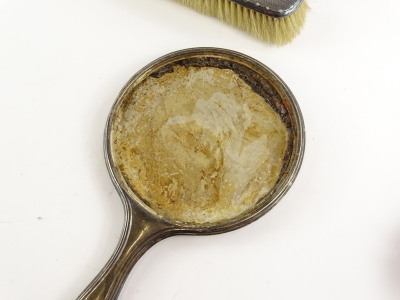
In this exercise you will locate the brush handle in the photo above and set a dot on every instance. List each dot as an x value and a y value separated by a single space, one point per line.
139 234
273 8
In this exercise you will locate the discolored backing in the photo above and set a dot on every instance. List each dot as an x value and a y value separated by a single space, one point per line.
265 83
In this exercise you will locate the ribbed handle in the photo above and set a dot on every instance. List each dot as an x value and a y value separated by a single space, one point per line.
138 235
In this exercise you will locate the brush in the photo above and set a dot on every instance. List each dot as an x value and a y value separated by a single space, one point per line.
274 21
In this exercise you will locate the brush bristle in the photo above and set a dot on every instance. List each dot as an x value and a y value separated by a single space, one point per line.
279 31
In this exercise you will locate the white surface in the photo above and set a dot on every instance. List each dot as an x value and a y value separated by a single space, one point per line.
336 235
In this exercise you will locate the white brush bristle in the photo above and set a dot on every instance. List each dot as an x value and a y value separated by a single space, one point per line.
279 31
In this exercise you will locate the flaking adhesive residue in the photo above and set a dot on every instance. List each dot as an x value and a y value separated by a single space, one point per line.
198 144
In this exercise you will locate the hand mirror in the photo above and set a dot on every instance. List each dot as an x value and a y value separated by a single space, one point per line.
200 141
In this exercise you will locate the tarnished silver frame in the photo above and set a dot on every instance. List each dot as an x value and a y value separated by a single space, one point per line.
143 227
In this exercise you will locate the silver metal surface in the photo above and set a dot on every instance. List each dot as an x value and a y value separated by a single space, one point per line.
143 227
273 8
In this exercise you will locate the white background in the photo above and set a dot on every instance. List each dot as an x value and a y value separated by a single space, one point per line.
335 235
